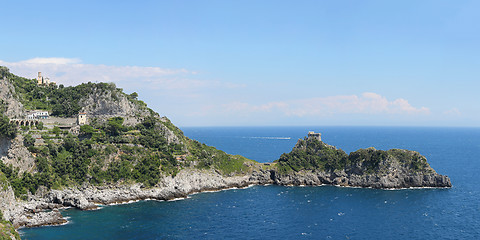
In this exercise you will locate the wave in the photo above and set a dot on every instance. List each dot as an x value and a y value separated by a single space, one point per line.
273 138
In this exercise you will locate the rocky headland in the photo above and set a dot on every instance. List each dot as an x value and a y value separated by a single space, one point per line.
127 152
43 207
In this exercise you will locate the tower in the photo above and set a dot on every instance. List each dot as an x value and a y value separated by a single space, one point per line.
39 78
82 118
314 135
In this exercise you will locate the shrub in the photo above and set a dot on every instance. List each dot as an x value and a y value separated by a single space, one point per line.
7 129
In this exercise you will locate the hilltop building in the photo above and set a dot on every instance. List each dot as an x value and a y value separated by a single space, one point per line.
314 135
43 80
82 118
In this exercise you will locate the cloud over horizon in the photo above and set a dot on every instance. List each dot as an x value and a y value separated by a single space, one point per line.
184 94
366 103
71 71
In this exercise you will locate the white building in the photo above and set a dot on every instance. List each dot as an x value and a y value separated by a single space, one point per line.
37 115
82 118
41 115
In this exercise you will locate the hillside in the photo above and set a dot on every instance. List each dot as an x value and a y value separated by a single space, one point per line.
92 144
123 140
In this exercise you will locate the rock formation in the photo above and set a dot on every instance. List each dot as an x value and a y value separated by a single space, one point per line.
190 166
313 162
14 108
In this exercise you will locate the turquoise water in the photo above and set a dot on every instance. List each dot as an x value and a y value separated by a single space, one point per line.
325 212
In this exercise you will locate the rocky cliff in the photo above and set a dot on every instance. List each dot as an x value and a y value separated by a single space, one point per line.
42 208
13 152
312 162
128 152
104 103
8 99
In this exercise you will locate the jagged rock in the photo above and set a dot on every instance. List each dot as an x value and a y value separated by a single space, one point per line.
8 97
395 168
70 198
15 153
36 219
107 104
42 208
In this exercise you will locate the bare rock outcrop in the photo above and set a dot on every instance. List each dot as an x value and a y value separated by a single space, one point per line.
103 104
14 108
13 152
42 208
313 162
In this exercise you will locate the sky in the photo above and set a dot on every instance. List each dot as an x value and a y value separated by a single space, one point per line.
262 63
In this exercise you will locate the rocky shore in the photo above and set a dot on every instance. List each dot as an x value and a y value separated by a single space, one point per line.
43 207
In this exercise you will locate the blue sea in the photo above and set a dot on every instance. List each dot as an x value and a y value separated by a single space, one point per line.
325 212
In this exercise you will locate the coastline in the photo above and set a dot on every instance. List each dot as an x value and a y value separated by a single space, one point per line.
42 209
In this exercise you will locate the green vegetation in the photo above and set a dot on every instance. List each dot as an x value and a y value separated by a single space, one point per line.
104 151
40 126
210 157
310 154
7 231
59 100
7 129
112 152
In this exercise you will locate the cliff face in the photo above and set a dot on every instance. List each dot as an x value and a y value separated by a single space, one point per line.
128 152
104 104
13 107
13 152
36 211
314 163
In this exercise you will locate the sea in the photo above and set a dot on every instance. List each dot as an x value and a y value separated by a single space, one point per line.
321 212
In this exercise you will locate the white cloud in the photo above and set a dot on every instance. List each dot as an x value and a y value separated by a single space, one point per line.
366 103
71 71
183 93
56 61
453 112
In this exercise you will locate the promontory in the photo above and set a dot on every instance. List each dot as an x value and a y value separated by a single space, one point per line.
81 146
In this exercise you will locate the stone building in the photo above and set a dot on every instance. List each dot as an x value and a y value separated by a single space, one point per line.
314 135
43 80
82 118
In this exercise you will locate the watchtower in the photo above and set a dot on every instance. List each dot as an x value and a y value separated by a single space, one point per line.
314 135
39 78
82 118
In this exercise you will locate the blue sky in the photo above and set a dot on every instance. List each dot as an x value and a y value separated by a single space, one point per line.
243 63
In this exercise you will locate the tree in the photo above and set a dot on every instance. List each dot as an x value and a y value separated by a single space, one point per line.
114 126
56 130
7 129
28 140
134 95
86 130
4 71
40 125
